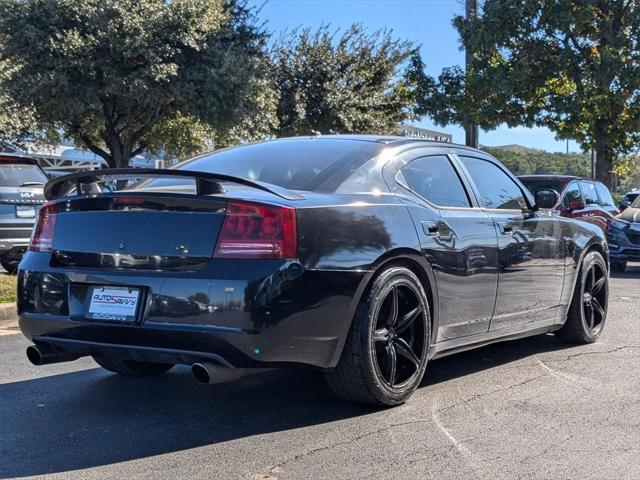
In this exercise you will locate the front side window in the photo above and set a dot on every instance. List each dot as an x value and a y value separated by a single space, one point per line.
606 200
435 179
589 193
497 190
572 194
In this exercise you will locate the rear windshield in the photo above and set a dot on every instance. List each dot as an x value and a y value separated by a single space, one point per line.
296 164
16 175
535 185
636 202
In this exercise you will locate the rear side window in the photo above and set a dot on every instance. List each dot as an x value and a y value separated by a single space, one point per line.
606 200
572 194
589 193
16 175
435 179
534 185
497 190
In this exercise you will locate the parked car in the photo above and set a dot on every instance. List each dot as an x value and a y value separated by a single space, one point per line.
579 198
628 199
21 195
624 237
362 256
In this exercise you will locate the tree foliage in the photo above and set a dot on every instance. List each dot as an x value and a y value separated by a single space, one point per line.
349 82
114 74
570 65
16 123
541 162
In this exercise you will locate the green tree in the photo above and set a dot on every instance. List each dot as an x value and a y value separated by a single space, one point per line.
16 123
570 65
114 74
351 82
541 162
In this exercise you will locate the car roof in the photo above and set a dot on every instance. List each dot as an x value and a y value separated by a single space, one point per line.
562 178
15 158
382 139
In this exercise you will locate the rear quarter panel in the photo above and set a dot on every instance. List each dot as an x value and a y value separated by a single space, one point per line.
579 237
341 236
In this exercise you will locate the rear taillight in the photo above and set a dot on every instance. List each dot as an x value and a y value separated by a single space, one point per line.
252 230
42 237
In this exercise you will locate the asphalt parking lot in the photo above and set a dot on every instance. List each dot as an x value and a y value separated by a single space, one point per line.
527 409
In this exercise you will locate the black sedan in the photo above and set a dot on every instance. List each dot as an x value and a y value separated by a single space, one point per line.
362 256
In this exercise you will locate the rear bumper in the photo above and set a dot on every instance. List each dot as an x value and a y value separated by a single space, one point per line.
14 245
244 314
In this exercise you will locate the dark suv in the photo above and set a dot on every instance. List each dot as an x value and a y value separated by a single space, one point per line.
21 186
579 198
624 237
628 199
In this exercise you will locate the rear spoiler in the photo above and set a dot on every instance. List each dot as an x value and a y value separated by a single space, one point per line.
206 183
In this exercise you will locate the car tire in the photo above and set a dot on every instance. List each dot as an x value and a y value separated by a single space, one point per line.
588 310
386 352
618 265
131 368
9 264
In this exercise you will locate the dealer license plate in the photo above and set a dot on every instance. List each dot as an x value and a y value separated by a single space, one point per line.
27 211
114 303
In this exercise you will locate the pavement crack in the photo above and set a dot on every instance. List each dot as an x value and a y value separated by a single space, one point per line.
271 473
602 352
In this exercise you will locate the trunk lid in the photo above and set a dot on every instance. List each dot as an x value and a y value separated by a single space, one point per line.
139 226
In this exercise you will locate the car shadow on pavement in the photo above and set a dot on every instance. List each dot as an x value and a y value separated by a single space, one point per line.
91 418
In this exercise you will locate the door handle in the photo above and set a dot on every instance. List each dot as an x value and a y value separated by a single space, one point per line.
505 229
431 229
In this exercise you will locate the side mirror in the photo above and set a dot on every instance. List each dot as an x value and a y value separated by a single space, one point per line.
576 205
546 198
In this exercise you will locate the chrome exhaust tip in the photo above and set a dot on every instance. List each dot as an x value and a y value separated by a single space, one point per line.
45 355
209 373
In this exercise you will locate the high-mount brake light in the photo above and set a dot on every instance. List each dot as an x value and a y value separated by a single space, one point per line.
43 232
252 230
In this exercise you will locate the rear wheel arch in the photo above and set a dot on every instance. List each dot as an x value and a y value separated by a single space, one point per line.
416 263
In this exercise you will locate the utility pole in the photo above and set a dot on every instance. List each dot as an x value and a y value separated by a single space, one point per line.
471 131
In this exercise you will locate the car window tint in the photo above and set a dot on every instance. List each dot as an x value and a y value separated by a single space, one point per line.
297 163
572 194
534 185
435 179
606 200
496 189
589 193
15 175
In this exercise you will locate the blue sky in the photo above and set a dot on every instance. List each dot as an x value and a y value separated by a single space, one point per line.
424 22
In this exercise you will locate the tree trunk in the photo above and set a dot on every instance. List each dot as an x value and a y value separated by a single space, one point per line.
604 157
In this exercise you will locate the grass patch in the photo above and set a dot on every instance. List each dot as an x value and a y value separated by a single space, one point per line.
7 288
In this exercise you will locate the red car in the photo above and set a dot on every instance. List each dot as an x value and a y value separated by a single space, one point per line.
579 198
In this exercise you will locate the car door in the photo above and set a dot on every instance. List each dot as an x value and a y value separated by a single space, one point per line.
459 241
530 252
572 203
608 208
593 212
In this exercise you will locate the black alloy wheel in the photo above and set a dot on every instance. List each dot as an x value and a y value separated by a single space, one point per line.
386 353
594 296
588 310
399 335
